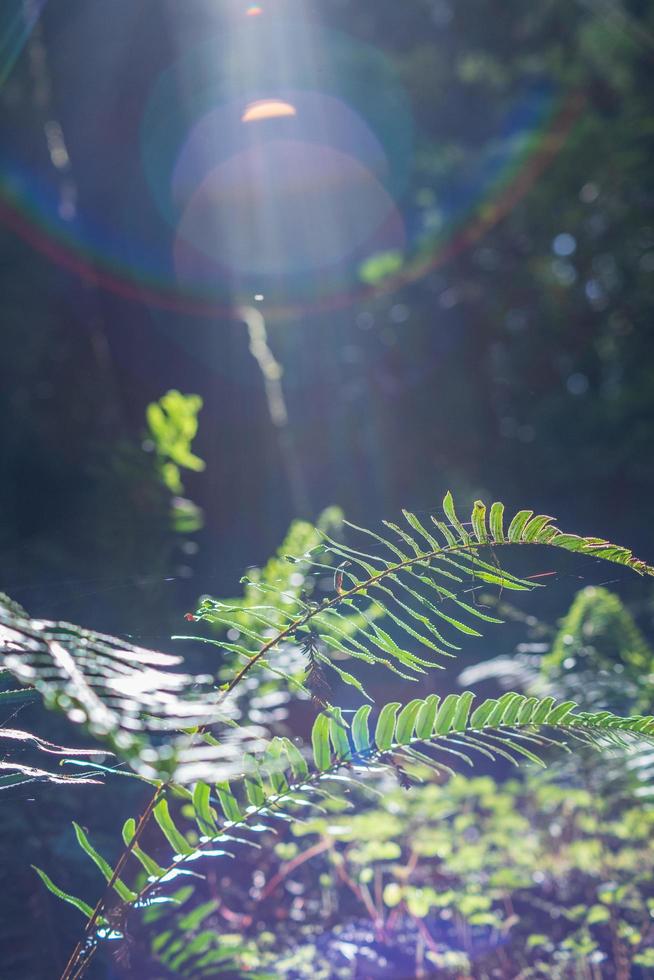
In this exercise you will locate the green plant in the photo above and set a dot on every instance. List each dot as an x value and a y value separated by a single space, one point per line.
330 612
440 865
172 427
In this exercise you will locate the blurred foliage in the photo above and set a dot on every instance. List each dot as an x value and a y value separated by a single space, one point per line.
600 633
575 889
173 425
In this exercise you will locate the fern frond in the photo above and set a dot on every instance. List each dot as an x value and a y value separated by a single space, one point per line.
125 696
415 578
422 735
15 773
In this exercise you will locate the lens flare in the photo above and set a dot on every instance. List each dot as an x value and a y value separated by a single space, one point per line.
321 205
17 21
254 10
267 109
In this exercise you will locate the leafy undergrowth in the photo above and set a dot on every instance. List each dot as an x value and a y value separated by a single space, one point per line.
472 878
361 851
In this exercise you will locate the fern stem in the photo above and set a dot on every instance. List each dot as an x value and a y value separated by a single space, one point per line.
323 845
341 597
72 971
293 788
361 587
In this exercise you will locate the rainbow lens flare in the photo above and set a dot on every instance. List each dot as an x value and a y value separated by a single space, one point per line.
274 157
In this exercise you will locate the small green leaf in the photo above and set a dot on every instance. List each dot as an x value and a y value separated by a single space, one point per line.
445 716
533 530
560 712
338 734
83 907
254 788
204 815
228 802
406 720
496 521
497 715
596 914
296 760
542 711
526 711
386 726
481 713
360 733
457 624
571 542
421 529
479 521
153 869
460 720
167 826
518 523
274 764
320 742
445 531
450 513
125 893
510 715
427 717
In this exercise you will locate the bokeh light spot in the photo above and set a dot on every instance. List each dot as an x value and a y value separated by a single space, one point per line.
564 244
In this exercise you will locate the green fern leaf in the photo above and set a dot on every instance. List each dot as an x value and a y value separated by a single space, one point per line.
360 733
386 725
228 802
296 760
204 815
450 513
82 906
168 828
446 713
427 717
254 787
151 867
338 734
460 720
479 521
119 886
322 755
496 521
518 523
406 720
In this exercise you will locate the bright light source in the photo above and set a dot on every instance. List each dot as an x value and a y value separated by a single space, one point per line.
254 10
267 109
